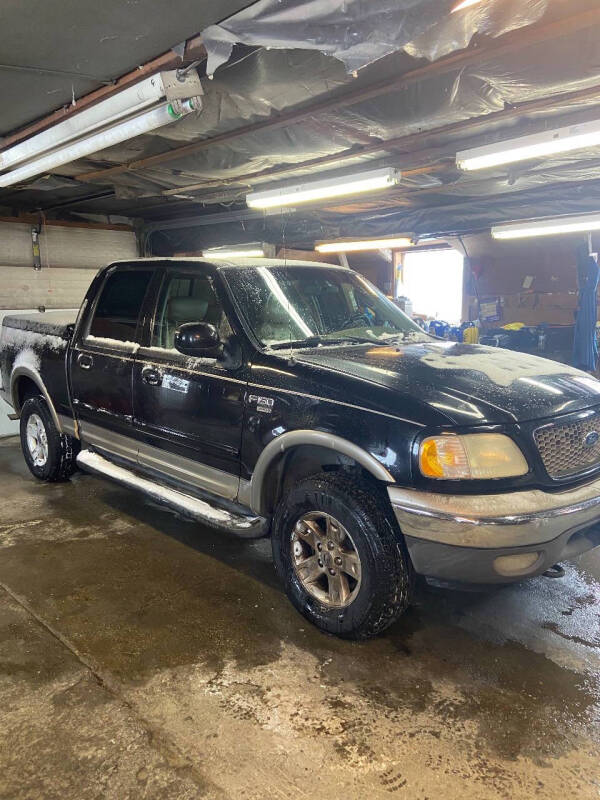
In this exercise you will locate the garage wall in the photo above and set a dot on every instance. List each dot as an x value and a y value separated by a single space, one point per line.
552 262
70 258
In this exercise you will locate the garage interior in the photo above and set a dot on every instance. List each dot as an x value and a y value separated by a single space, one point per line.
142 656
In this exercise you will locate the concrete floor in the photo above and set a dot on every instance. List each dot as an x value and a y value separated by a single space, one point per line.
144 657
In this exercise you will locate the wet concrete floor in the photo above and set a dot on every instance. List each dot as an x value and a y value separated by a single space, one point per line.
142 656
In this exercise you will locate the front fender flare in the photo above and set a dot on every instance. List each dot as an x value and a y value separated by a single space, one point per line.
317 438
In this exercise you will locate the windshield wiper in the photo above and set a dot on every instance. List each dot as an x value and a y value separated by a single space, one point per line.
310 341
355 340
315 341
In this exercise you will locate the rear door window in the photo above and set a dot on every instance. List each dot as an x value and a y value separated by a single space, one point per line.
119 305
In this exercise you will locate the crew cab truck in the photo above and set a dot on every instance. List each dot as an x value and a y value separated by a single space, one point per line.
294 400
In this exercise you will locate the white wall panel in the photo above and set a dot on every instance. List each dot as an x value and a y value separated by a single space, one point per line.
70 258
54 287
84 248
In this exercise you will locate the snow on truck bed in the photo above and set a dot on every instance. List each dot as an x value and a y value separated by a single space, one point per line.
49 323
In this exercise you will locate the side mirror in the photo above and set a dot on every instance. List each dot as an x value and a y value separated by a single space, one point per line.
198 339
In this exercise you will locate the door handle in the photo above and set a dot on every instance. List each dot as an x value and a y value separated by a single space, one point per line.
85 361
151 376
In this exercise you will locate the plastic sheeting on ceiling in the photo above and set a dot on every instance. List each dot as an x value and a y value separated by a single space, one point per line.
267 81
264 82
441 220
359 32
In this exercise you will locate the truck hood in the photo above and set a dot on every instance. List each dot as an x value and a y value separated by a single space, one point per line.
466 384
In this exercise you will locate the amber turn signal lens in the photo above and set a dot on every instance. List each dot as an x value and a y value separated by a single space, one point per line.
429 460
476 456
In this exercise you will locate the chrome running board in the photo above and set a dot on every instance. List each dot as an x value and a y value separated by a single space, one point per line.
250 527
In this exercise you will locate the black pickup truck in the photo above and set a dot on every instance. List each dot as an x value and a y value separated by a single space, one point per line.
295 400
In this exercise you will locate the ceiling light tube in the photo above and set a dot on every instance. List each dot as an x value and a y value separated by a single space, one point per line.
547 227
143 123
538 145
464 4
363 244
249 250
126 103
372 181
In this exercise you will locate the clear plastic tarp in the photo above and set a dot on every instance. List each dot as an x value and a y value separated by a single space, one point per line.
359 32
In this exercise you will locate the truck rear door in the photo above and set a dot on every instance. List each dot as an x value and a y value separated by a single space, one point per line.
102 357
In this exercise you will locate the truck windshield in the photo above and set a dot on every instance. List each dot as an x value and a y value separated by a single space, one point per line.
315 305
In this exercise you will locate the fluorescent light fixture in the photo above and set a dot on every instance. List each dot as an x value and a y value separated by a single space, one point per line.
464 4
560 140
249 250
321 190
147 105
143 123
363 244
547 227
123 104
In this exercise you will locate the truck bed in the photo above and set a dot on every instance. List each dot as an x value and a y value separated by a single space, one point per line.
50 323
36 345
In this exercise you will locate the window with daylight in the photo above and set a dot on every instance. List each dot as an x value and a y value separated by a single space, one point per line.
433 280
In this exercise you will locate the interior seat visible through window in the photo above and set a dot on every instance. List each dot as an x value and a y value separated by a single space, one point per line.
181 310
185 299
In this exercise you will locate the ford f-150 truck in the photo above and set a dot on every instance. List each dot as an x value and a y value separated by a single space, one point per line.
294 400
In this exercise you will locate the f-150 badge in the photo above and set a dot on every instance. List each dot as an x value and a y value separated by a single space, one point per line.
263 404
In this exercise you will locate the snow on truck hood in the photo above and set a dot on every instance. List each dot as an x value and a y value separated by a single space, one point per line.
467 384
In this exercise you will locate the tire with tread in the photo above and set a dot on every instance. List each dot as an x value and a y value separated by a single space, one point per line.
62 449
387 574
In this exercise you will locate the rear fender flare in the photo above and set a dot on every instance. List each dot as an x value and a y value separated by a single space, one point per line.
28 372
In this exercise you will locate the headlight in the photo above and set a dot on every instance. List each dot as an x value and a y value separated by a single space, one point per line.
473 456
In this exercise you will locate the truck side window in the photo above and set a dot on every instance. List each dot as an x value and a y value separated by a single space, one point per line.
119 305
186 298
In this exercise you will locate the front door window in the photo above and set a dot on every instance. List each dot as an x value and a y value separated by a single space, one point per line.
187 298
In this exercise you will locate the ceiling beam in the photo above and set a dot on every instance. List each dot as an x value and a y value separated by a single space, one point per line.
503 46
358 206
34 219
403 143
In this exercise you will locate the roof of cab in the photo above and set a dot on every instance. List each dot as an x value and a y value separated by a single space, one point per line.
234 262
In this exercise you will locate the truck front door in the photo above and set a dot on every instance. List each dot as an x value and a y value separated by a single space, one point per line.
188 412
102 357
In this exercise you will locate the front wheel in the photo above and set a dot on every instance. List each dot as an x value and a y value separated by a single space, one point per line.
50 455
341 556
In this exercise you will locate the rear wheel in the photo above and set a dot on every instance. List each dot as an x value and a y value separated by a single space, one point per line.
341 555
49 454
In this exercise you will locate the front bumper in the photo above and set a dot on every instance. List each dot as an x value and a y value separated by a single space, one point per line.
496 538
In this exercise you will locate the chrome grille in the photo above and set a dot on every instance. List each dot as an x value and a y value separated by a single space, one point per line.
564 450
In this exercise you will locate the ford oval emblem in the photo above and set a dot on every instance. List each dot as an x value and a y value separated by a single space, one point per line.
591 439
